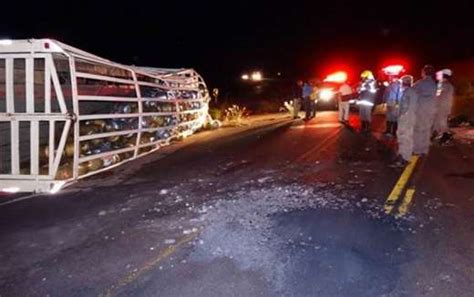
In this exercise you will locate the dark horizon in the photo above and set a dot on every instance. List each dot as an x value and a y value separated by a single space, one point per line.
223 40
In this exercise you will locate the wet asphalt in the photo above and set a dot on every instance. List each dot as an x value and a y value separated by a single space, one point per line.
294 210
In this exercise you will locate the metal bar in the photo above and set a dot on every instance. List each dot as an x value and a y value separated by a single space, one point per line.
22 176
144 83
106 98
52 144
34 147
47 87
21 56
140 111
105 135
9 88
100 61
75 106
59 152
107 116
29 117
118 133
29 81
15 146
57 86
106 154
104 78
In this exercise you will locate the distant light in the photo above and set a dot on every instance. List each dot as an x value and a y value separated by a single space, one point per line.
257 76
385 83
393 69
326 94
11 190
6 42
279 73
337 77
245 77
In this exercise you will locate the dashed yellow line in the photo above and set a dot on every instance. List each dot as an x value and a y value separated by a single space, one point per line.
403 209
131 277
400 185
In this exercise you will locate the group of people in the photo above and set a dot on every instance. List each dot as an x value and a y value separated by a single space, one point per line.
305 99
415 111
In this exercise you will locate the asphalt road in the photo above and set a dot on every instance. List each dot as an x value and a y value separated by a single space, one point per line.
296 209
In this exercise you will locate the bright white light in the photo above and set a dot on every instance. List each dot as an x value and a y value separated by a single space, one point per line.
365 103
6 42
394 69
11 190
385 83
326 94
57 186
257 76
245 77
337 77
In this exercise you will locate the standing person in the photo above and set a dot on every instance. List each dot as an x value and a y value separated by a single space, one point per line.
444 102
314 97
344 96
391 97
367 93
307 90
426 110
297 98
406 127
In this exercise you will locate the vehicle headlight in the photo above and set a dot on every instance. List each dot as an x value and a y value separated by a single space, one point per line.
326 95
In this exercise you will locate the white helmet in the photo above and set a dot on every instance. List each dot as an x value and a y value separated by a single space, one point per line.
447 72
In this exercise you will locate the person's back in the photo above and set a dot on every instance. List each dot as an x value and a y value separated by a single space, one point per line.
425 111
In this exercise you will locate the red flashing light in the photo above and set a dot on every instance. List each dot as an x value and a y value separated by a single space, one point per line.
337 77
394 69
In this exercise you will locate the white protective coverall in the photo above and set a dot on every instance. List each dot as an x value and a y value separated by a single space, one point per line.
406 123
425 114
345 93
444 102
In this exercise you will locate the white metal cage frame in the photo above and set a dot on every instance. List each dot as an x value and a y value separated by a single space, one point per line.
66 114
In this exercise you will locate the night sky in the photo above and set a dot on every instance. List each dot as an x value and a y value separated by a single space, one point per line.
223 40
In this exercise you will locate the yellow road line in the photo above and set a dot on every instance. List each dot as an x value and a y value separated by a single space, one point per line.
132 276
400 185
403 209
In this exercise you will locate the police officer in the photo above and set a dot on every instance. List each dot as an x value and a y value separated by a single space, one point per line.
408 107
367 92
391 97
426 110
444 102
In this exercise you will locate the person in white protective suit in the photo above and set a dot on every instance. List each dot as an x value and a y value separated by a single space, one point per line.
426 110
444 104
406 121
344 96
367 93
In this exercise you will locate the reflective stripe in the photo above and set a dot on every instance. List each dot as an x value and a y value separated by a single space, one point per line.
365 103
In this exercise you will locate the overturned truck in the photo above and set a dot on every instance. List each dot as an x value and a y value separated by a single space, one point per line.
66 114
